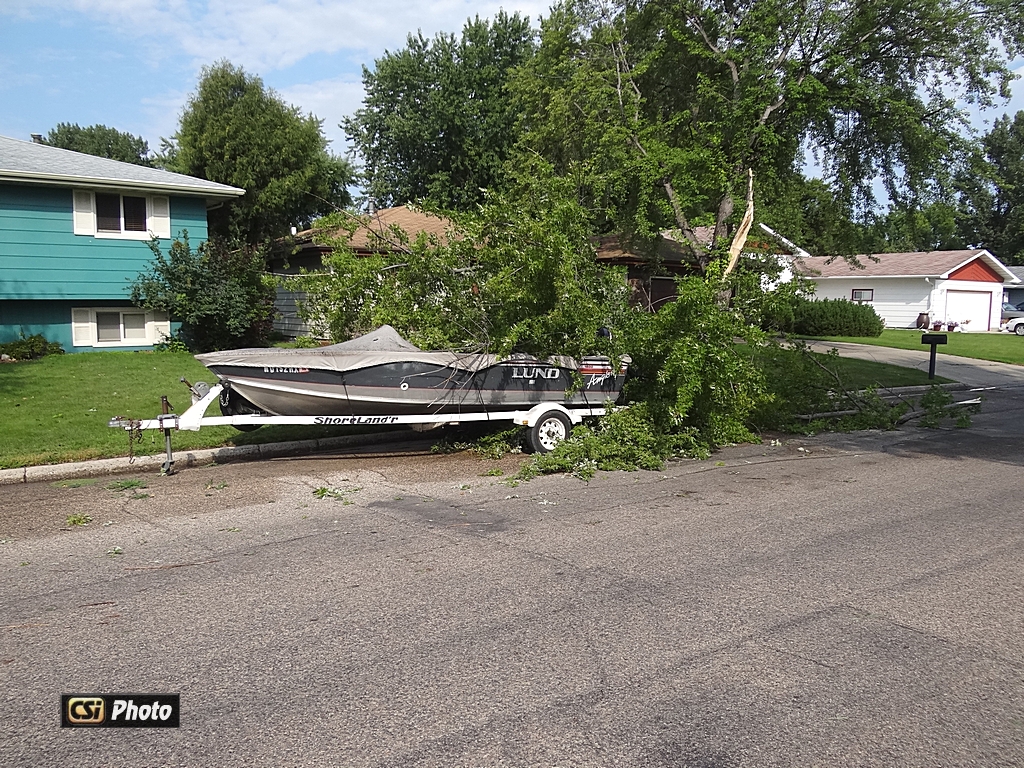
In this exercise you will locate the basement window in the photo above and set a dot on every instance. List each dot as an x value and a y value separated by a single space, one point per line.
862 295
117 327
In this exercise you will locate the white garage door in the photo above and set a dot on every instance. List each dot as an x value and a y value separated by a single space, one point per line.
975 306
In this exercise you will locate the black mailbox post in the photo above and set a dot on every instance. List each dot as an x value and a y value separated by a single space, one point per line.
934 339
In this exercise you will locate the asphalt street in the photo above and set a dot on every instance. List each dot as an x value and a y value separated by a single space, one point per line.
839 600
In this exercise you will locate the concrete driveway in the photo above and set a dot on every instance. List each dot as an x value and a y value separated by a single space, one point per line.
844 600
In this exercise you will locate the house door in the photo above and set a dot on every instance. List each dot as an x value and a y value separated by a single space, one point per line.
972 309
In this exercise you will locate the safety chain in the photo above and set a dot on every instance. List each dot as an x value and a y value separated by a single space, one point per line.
134 431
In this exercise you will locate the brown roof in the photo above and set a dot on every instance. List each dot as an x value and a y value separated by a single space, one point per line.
917 264
373 233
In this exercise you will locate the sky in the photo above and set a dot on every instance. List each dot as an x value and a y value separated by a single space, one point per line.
131 64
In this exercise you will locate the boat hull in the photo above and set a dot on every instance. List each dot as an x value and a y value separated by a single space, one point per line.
417 387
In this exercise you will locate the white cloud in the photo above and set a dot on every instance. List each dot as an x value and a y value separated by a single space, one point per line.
330 100
159 116
266 35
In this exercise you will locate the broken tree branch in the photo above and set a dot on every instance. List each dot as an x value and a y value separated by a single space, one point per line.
741 234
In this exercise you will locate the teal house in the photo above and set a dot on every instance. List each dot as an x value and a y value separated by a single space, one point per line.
74 230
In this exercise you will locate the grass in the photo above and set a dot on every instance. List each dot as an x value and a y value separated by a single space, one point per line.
861 374
999 347
77 483
126 485
56 409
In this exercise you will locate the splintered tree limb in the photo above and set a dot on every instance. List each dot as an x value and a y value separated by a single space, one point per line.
741 234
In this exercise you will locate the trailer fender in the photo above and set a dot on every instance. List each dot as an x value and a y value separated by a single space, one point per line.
529 418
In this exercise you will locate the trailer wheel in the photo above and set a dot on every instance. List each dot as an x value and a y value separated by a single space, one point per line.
551 429
236 405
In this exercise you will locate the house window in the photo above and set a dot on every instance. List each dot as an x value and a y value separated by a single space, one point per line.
108 327
117 327
862 295
120 213
123 216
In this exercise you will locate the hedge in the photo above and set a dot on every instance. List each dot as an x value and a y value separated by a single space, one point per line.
835 317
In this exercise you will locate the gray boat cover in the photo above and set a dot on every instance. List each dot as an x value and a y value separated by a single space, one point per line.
378 347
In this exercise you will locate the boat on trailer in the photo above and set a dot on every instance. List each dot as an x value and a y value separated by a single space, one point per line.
382 379
382 373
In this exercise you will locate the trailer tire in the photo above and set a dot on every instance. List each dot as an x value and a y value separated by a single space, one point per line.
551 429
236 405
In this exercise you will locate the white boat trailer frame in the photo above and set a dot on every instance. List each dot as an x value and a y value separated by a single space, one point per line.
195 418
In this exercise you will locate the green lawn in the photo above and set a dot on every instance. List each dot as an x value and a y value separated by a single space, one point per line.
56 409
861 374
1000 347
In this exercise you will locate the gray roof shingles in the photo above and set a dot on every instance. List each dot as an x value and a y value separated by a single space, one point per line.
30 162
918 264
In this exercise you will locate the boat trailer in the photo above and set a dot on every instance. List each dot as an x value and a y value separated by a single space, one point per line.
549 423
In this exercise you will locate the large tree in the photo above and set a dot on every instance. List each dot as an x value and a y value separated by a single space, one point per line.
992 192
437 120
101 141
931 227
662 107
236 131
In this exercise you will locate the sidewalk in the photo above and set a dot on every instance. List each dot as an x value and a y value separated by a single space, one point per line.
966 370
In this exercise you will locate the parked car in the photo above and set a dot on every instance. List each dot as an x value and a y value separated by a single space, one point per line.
1010 311
1016 325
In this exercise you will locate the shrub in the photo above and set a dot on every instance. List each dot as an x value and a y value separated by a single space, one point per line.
172 343
835 317
31 347
626 439
221 294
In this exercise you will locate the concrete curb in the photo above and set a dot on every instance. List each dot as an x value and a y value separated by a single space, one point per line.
186 459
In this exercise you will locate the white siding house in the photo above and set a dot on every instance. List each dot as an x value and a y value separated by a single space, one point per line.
961 287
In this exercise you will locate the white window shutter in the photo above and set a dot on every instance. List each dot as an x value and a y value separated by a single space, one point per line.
161 326
85 219
81 327
160 216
